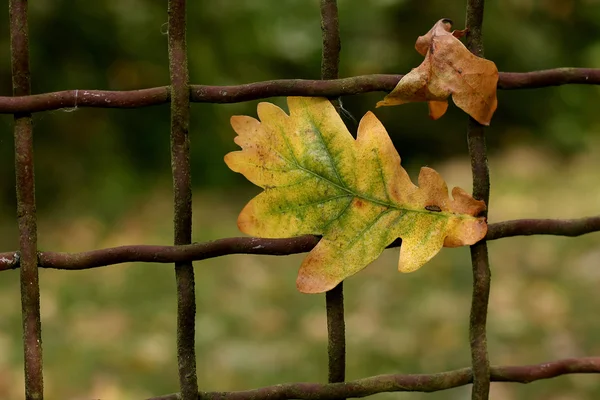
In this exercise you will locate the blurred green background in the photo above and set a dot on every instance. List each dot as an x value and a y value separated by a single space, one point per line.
103 179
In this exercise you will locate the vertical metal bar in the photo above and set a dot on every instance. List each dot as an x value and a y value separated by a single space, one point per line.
332 45
182 188
479 251
26 212
336 332
334 299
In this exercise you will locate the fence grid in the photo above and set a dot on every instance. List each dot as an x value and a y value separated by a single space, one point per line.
180 93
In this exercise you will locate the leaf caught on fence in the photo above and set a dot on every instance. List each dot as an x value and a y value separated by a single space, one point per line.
449 68
319 180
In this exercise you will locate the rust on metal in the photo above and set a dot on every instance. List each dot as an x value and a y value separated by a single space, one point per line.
274 88
26 210
334 298
273 247
182 197
479 251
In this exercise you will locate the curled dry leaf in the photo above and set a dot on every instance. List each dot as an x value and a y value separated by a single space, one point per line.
319 180
449 68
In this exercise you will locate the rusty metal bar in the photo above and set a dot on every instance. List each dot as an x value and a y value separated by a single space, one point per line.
182 188
334 299
274 247
274 88
404 383
26 210
479 251
332 44
336 332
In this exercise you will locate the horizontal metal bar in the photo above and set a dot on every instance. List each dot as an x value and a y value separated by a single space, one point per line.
405 383
274 247
276 88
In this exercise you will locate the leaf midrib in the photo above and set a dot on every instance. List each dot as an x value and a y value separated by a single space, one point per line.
344 188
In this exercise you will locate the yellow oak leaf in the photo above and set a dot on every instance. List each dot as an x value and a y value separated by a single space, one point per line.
449 68
319 180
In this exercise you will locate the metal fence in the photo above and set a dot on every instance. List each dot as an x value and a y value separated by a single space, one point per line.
180 93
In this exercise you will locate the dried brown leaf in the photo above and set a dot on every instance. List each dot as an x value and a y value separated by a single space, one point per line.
449 68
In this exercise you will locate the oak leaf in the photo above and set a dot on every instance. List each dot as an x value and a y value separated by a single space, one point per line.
449 68
319 180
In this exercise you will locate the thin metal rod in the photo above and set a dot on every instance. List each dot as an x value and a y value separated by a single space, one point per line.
26 210
182 188
332 44
405 383
479 251
334 299
274 247
274 88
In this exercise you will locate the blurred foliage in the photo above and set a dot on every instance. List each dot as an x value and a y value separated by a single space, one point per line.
103 179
